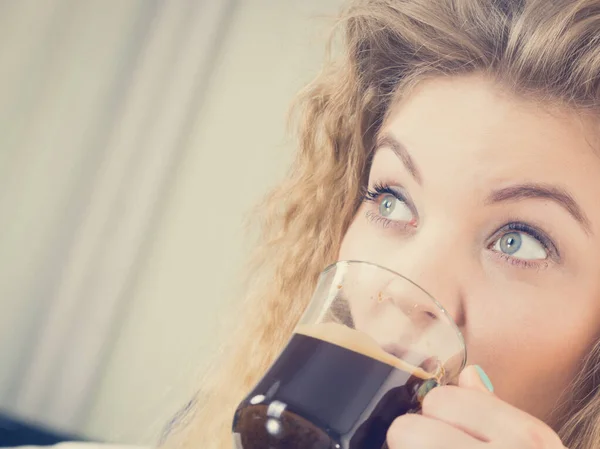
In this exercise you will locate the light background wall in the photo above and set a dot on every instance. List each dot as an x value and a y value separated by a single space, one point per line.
238 149
186 273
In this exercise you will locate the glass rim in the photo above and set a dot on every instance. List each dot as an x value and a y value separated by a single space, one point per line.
449 318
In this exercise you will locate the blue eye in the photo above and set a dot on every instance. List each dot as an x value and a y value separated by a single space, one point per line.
391 206
394 209
520 245
510 243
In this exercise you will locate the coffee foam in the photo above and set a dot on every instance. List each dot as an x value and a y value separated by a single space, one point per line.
360 342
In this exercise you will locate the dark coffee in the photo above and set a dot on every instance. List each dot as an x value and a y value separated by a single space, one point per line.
320 395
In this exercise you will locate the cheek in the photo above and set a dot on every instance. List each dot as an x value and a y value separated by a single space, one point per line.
361 243
530 340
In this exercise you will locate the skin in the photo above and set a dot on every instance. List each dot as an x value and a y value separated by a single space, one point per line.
528 316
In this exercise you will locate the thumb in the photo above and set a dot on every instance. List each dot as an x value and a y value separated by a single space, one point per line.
474 377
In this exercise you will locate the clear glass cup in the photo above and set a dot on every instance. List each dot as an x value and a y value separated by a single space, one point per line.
368 348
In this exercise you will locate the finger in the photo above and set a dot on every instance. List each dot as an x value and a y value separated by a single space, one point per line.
420 432
484 416
475 378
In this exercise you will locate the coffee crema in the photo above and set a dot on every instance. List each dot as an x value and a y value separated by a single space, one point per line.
360 342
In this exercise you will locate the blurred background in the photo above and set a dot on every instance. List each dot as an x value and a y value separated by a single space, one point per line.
135 136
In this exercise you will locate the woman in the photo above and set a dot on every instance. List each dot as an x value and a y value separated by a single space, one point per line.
455 142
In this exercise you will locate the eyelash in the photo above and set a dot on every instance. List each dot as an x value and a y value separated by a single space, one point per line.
381 189
373 195
538 235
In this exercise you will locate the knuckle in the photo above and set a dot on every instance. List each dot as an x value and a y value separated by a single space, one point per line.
438 397
533 435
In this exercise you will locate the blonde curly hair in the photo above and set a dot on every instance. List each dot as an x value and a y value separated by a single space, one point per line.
545 50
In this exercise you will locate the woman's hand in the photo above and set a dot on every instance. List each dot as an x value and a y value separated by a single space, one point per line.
470 417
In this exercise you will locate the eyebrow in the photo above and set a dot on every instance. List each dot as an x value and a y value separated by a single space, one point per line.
546 192
387 140
513 193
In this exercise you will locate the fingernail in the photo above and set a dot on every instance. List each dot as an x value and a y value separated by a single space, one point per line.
484 378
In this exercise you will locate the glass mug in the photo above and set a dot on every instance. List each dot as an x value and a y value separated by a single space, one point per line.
368 348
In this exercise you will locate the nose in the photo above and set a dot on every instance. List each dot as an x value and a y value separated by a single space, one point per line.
436 267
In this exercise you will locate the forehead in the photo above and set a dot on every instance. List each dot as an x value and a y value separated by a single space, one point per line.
468 131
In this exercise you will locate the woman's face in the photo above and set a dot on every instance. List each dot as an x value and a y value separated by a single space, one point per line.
492 205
